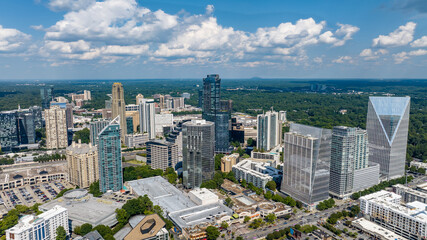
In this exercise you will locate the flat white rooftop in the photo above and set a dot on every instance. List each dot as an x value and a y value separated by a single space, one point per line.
376 229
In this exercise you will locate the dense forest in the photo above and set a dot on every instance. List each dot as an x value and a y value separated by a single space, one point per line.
297 97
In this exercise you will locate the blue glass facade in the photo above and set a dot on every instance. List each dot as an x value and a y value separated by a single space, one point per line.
46 95
110 158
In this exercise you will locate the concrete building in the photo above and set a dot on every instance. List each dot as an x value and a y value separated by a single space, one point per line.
271 156
410 195
40 227
162 154
136 140
178 103
202 196
118 108
82 160
147 118
132 108
387 125
8 131
110 157
257 173
95 128
375 230
349 161
418 164
385 209
198 152
139 98
151 227
269 130
46 94
228 161
282 116
307 154
135 119
211 111
56 128
163 120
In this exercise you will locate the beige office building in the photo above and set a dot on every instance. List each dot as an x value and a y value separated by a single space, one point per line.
56 128
118 108
228 161
82 162
162 154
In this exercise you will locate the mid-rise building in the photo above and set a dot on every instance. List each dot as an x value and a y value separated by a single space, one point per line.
282 116
110 157
118 108
56 128
257 173
407 220
198 145
269 130
211 111
349 158
387 125
178 103
95 128
163 120
40 227
82 161
135 119
46 94
136 140
26 127
68 112
147 118
228 161
307 154
410 195
162 154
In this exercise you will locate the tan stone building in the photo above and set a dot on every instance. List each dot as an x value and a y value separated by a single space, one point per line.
56 128
118 108
82 162
228 161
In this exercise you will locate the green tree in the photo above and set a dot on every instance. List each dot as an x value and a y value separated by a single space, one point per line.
251 142
94 189
218 158
246 219
83 134
271 185
212 233
103 230
85 228
229 202
61 234
224 225
271 217
122 216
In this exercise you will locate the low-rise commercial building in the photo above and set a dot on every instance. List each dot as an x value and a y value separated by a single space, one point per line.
136 140
202 196
151 227
40 227
385 209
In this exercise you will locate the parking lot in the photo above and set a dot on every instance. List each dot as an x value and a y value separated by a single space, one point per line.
31 194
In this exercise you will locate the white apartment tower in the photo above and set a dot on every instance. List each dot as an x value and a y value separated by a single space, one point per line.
56 128
269 130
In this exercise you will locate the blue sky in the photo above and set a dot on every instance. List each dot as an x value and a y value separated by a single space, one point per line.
121 39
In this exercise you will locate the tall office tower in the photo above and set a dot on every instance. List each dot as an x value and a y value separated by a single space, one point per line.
118 108
212 111
95 128
349 168
307 154
46 94
37 115
226 105
198 141
26 130
82 161
129 125
40 227
269 129
110 157
139 98
87 95
8 131
109 102
147 119
282 116
162 154
200 100
56 128
387 125
69 115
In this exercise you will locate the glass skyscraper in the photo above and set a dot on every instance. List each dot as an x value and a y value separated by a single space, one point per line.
198 147
110 157
46 94
95 128
307 154
211 106
387 125
8 130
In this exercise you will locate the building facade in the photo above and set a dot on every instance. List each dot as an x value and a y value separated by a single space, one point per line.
147 118
95 128
40 227
110 157
46 94
82 161
387 125
118 108
198 146
162 154
228 161
257 173
269 129
56 128
307 155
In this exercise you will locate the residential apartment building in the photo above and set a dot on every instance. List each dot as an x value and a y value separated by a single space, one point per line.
228 161
82 160
410 195
162 154
95 128
257 173
147 119
269 130
56 128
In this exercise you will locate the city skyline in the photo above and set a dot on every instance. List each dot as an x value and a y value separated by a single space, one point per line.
306 39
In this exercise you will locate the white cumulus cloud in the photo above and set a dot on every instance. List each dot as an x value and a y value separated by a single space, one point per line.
421 42
67 5
368 54
12 40
399 37
343 59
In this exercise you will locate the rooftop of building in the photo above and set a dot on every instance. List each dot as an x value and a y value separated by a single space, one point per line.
161 193
193 216
81 148
232 187
28 220
32 169
147 228
203 193
376 229
410 190
249 166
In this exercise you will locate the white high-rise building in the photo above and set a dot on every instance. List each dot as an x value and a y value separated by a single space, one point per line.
282 116
407 220
269 129
147 119
56 127
40 227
